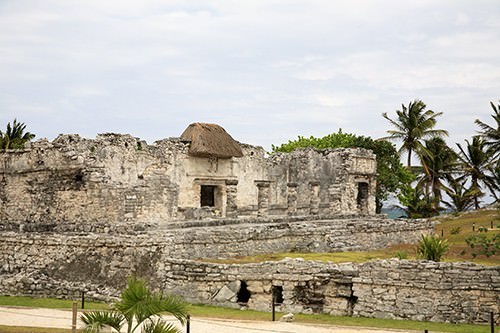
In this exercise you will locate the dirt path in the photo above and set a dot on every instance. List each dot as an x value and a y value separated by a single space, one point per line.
15 316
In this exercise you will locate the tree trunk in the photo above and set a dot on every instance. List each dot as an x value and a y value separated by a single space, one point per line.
409 159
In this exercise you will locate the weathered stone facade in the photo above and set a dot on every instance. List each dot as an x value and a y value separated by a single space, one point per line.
118 178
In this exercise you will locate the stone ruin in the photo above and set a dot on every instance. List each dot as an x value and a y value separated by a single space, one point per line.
119 178
80 215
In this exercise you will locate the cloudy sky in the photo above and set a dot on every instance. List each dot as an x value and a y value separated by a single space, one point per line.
265 70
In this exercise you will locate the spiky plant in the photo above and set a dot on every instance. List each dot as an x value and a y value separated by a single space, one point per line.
431 247
139 308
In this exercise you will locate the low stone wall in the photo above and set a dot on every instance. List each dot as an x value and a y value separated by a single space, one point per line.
426 290
63 264
417 290
222 238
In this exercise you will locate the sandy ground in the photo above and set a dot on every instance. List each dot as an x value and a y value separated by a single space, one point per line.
14 316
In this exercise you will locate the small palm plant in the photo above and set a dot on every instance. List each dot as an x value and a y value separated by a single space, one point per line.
432 247
138 308
15 137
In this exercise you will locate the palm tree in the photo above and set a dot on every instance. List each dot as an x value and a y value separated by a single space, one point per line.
138 308
438 164
461 198
490 134
413 125
15 137
476 162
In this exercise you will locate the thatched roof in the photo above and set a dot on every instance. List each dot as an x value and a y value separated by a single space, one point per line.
210 140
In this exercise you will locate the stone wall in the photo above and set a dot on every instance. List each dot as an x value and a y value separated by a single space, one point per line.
417 290
223 237
430 291
65 263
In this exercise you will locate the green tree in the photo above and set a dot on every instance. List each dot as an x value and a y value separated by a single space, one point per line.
15 137
437 166
416 203
138 308
414 124
490 134
390 173
461 197
476 163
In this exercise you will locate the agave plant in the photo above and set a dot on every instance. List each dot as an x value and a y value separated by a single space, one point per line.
139 308
431 247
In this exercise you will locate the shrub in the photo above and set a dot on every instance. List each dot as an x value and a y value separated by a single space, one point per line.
431 247
401 254
455 230
483 244
482 229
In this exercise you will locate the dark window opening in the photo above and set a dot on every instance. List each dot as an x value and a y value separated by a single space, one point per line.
362 192
278 294
243 294
207 196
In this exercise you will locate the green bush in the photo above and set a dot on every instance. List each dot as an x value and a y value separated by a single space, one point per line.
402 254
482 229
431 247
488 246
455 230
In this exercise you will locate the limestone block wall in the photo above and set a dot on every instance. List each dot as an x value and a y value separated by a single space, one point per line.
49 265
300 286
229 237
64 263
430 291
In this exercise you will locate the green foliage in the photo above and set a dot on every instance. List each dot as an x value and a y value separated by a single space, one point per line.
461 197
491 134
431 247
455 230
391 175
476 163
138 305
417 204
97 320
412 125
484 244
402 254
15 137
437 165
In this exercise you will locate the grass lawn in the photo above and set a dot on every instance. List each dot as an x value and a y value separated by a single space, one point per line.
48 303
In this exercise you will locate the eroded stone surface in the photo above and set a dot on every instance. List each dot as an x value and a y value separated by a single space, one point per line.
121 179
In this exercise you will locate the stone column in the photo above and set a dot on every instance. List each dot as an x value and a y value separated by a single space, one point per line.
262 197
292 198
315 200
231 194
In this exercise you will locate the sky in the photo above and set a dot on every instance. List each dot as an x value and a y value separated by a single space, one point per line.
265 70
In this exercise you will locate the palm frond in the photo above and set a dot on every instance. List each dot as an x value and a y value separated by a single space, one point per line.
159 326
96 320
